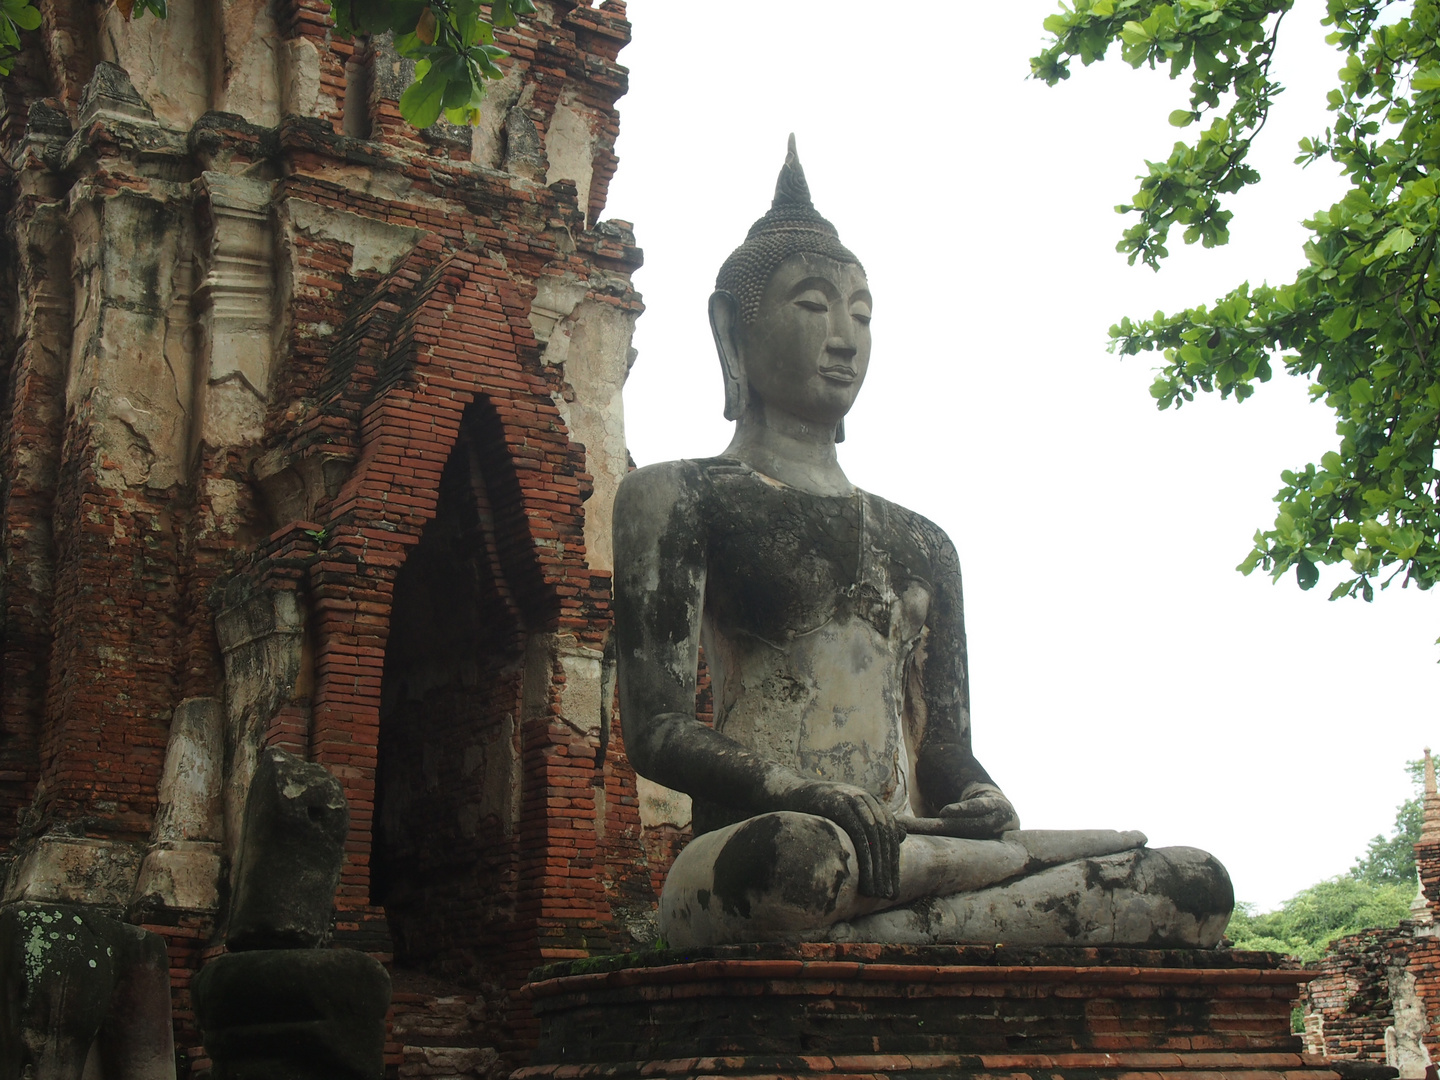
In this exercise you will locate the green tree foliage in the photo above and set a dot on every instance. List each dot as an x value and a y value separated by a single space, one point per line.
451 41
15 16
1391 860
1311 919
1360 321
1377 891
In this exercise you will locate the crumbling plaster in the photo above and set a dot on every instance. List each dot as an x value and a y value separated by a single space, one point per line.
570 143
131 359
589 338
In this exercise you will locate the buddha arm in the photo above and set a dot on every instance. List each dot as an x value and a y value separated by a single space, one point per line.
659 599
945 767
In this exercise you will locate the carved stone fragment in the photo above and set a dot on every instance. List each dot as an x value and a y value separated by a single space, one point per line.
296 820
74 982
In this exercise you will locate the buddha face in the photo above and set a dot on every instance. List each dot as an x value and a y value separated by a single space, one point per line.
808 349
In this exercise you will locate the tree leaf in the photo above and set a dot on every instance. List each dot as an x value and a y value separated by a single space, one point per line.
421 103
1307 574
27 17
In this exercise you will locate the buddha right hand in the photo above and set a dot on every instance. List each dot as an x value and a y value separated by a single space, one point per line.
871 828
982 813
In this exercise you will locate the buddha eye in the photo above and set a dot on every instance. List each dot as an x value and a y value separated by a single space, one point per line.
861 315
811 304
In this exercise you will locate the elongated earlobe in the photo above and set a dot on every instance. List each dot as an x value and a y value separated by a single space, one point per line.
840 431
725 325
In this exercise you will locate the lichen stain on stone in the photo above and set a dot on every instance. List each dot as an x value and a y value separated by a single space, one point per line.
37 944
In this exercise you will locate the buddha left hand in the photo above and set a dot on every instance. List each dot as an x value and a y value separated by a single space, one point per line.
982 813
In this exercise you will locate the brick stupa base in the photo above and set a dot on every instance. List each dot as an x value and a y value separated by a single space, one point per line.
884 1011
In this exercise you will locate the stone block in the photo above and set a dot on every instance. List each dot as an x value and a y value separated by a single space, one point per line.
293 1014
189 792
75 870
296 821
180 876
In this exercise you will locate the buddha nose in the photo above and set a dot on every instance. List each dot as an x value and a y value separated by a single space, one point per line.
839 346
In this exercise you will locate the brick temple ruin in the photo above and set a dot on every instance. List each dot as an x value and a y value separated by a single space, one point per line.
310 431
311 428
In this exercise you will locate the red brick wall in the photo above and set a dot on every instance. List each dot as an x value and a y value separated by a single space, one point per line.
1352 995
1427 863
33 428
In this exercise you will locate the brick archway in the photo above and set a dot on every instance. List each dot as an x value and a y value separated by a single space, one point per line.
446 332
445 854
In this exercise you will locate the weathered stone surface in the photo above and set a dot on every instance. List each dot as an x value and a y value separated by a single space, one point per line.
261 636
294 1014
73 980
1159 898
524 154
237 309
75 870
836 790
110 95
570 144
179 876
189 793
170 61
591 338
181 871
250 73
374 245
296 820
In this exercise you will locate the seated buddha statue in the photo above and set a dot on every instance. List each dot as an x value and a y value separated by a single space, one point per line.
836 796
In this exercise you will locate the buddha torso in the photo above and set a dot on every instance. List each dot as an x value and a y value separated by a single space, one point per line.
813 627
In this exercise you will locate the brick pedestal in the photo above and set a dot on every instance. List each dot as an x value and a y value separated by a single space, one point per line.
876 1011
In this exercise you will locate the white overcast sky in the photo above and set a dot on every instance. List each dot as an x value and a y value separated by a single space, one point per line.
1124 675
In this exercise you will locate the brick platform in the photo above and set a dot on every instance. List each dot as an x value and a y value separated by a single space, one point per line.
877 1011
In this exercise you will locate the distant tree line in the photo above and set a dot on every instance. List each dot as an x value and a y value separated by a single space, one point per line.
1377 891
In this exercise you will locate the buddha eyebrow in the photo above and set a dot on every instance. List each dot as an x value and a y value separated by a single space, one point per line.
824 285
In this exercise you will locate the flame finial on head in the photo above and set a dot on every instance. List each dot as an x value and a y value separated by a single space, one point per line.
790 186
791 226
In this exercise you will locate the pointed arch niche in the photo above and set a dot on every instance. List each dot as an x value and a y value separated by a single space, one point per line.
445 862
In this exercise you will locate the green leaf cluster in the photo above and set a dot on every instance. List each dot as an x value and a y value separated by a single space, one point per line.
15 16
1226 45
135 9
1360 320
452 43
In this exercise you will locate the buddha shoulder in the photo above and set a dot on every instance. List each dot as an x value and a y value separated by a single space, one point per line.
656 490
905 529
667 486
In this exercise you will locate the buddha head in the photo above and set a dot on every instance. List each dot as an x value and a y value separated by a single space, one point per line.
791 312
